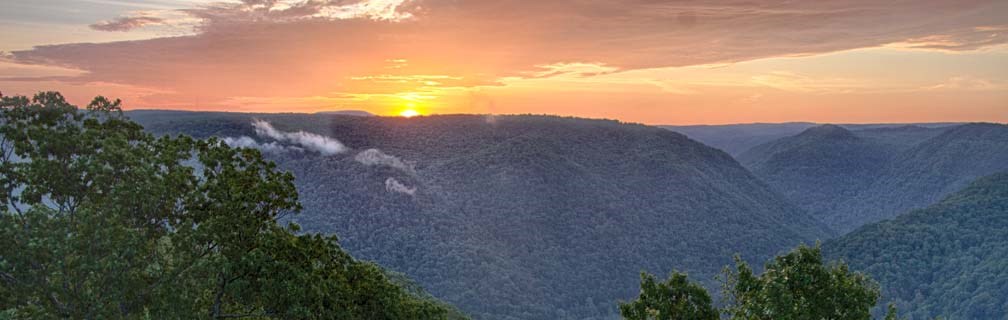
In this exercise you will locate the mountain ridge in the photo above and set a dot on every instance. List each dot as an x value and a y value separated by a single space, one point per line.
817 165
856 177
929 171
739 138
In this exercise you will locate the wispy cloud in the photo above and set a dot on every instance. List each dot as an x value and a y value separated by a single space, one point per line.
10 70
970 83
282 11
393 185
248 142
123 24
310 141
375 157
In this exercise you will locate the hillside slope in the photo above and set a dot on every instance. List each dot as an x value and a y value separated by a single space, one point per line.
900 138
850 178
738 138
818 166
524 217
950 259
931 170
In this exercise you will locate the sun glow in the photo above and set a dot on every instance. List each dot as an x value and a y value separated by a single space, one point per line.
409 113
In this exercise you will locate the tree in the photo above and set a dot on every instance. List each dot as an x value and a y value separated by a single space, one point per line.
676 298
891 312
103 220
798 285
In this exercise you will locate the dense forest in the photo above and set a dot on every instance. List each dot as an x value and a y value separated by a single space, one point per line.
518 217
931 170
103 220
949 259
849 178
817 166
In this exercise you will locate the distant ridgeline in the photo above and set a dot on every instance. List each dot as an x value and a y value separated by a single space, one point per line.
949 259
517 217
849 178
739 138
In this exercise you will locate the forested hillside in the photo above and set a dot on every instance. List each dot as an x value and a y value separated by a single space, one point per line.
815 168
900 138
949 260
929 171
517 217
849 178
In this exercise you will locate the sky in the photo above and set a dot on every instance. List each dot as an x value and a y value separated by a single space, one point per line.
647 61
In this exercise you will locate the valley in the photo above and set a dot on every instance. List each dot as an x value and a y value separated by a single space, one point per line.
532 217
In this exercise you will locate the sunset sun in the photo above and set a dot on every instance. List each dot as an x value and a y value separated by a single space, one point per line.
409 113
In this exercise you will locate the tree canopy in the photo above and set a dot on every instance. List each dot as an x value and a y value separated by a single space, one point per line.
103 220
673 299
796 285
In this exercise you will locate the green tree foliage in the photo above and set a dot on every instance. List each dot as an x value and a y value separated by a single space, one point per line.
675 299
103 220
891 313
798 285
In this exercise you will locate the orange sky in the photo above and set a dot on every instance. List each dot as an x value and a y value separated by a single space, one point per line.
637 60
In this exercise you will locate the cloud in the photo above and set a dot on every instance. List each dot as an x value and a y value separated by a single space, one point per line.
375 157
973 38
969 83
274 48
123 24
791 81
321 144
279 11
25 72
571 70
248 142
393 185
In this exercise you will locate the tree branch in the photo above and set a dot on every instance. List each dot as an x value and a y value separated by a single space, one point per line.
215 312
